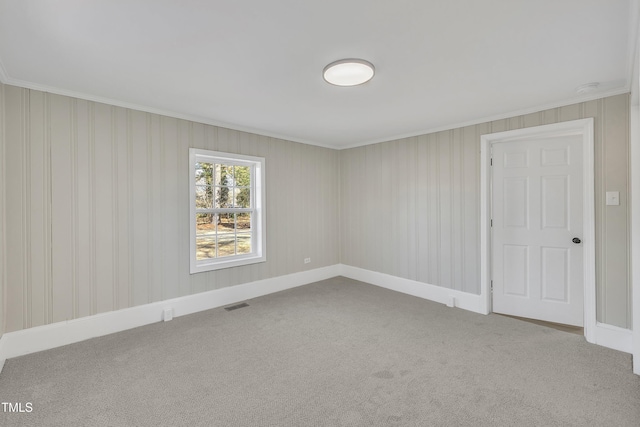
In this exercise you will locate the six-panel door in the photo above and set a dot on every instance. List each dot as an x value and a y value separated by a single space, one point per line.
537 212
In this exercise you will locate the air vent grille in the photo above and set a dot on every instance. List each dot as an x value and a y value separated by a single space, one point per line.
237 306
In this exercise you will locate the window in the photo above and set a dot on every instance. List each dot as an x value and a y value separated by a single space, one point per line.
227 216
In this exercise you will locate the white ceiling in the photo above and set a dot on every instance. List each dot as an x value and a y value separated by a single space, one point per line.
257 65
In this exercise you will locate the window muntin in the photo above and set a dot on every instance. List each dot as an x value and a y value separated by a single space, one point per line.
227 226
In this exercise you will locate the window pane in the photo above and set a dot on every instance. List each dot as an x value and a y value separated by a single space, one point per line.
205 225
204 197
204 173
223 197
226 245
223 175
243 222
244 243
205 247
242 197
226 223
205 236
242 176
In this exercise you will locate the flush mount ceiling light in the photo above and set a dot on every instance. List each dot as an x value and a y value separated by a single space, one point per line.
348 72
587 88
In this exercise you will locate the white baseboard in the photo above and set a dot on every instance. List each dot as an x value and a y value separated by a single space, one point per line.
18 343
2 352
2 358
605 335
614 337
13 344
464 300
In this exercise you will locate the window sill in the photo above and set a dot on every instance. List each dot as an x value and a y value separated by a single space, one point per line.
206 265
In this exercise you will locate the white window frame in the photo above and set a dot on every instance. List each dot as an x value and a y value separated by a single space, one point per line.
258 220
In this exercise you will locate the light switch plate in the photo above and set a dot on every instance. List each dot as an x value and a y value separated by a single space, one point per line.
613 198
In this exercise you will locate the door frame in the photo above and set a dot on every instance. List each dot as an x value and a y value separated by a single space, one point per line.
583 127
635 233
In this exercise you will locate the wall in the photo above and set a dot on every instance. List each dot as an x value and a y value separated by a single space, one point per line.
94 213
410 208
3 229
635 221
97 210
635 203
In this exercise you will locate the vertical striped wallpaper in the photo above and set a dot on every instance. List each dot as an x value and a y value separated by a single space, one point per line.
410 208
95 202
94 206
3 227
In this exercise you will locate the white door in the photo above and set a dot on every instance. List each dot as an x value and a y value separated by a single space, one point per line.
537 229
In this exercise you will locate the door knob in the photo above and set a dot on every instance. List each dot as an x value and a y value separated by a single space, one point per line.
576 240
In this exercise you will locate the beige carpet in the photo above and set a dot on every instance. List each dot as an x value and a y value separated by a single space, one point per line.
334 353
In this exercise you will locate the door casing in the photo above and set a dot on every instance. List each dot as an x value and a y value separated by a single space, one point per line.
584 128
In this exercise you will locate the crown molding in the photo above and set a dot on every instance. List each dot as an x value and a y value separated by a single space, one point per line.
632 41
4 78
456 125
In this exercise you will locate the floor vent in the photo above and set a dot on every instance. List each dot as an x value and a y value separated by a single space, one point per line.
237 306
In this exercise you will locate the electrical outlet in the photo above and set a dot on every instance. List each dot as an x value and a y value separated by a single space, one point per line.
167 314
307 260
613 198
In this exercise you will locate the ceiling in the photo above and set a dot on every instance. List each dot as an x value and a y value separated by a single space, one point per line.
257 65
